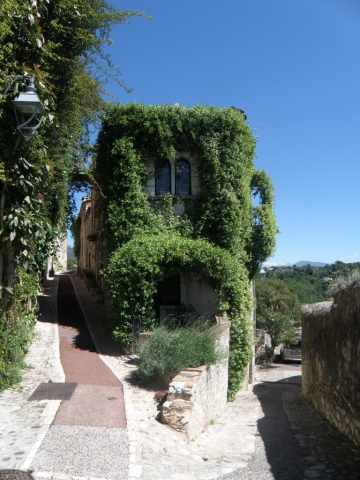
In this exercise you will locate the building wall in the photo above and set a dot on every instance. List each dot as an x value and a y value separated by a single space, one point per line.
93 253
198 396
59 262
87 249
200 294
330 360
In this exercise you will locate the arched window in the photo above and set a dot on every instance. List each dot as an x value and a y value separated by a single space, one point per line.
163 178
182 178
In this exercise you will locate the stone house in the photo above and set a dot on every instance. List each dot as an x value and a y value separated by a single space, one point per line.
173 191
178 176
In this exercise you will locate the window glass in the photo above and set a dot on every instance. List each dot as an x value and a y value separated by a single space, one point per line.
182 178
163 178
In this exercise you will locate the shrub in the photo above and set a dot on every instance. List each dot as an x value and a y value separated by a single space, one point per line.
353 280
15 338
136 268
169 351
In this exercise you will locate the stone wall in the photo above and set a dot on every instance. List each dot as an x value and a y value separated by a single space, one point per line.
58 263
330 360
197 396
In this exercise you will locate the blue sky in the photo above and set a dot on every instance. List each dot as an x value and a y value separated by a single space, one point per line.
294 67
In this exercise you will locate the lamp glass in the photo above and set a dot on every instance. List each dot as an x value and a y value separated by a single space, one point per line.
28 102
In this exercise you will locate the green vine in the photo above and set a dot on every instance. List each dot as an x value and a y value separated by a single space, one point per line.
221 234
75 230
136 268
58 44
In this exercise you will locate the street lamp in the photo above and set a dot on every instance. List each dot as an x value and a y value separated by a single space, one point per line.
29 111
27 106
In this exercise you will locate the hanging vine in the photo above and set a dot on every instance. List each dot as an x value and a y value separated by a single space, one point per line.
58 44
216 234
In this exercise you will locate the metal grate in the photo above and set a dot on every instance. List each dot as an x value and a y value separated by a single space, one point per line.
15 475
53 391
136 327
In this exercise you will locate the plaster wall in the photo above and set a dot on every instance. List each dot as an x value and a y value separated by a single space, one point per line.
200 294
93 251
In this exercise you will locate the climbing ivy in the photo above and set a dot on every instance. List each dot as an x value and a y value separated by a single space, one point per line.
58 43
221 235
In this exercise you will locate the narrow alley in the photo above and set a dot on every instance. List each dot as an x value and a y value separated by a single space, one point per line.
106 428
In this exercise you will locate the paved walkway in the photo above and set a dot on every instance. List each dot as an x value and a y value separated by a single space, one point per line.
267 433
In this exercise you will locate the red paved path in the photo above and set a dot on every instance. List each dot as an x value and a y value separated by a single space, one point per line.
98 399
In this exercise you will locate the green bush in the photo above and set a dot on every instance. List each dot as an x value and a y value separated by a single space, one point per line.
169 351
15 338
351 281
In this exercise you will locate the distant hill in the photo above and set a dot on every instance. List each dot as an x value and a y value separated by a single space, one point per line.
303 263
311 280
70 252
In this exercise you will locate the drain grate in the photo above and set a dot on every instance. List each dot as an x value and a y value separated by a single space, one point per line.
53 391
15 475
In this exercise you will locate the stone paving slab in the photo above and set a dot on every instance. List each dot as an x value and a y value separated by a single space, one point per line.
23 424
158 452
83 451
230 449
327 452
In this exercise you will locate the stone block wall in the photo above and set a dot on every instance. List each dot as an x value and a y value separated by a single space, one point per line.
197 396
330 360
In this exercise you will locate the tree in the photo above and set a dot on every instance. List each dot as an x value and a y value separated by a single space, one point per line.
277 310
62 45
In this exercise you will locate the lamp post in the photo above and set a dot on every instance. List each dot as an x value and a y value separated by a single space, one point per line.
29 114
29 111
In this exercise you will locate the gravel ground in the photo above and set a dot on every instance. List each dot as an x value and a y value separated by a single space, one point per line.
84 451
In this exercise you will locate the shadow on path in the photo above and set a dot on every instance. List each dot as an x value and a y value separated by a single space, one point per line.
282 450
98 397
71 318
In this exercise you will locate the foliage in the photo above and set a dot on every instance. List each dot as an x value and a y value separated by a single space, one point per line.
136 268
171 350
71 263
62 45
15 338
220 232
350 281
75 230
277 310
223 146
16 329
312 284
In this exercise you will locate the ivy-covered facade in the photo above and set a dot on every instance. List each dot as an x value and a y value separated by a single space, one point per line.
175 186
